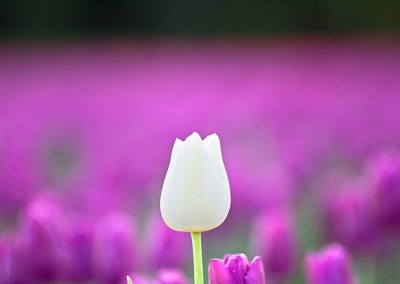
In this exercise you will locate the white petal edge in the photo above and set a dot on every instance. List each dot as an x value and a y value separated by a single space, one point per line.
213 147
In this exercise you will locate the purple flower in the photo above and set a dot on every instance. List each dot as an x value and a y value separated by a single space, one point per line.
331 265
114 247
236 269
274 238
385 173
42 239
166 248
14 263
349 217
80 237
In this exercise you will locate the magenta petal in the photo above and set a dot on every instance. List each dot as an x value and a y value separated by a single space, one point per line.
218 273
256 273
226 258
238 266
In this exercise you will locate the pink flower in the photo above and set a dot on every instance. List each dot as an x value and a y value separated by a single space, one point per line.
236 269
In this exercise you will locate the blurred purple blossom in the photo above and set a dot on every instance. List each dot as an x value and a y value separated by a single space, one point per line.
384 171
331 265
348 216
80 246
165 248
15 264
42 239
114 247
274 238
236 269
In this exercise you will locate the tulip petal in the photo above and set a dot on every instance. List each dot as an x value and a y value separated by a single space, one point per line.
177 145
213 146
238 266
218 273
175 149
256 273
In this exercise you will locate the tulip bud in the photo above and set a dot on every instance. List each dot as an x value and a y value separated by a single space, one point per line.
195 196
129 280
236 269
330 266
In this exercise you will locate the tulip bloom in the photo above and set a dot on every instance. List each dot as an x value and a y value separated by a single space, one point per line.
385 175
195 196
274 238
42 239
114 251
348 218
166 248
15 264
236 269
330 266
80 239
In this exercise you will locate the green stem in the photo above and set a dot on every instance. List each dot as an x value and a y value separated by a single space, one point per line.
197 258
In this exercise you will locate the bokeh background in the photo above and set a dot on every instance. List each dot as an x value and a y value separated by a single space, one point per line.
304 95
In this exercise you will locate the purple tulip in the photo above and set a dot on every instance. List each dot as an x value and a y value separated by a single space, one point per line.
349 217
166 248
236 269
332 265
42 239
80 237
385 173
114 247
14 264
274 238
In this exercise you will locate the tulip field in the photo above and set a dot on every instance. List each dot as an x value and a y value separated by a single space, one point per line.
300 184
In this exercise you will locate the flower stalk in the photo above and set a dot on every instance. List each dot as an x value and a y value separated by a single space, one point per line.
197 258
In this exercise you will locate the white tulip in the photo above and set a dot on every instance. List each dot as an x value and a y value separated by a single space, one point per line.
195 196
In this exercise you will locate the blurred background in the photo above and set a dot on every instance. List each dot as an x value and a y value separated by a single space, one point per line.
304 95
